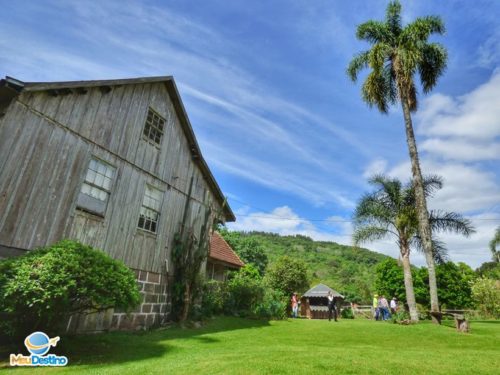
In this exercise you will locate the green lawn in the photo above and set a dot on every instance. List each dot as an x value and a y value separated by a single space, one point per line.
239 346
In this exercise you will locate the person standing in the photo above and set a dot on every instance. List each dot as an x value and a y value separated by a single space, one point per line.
384 307
295 306
332 309
394 305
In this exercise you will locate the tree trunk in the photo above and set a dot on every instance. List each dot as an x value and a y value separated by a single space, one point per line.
187 302
410 294
423 215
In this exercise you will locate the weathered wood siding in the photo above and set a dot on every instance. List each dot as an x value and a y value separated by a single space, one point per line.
46 143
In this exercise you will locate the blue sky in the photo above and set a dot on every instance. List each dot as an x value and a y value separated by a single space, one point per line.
282 128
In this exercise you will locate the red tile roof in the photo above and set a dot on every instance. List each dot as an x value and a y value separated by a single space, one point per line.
221 251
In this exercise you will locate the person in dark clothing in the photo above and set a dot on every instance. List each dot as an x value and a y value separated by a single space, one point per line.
332 309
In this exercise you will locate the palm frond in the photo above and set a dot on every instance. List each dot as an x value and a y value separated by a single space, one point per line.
439 250
420 30
368 233
374 91
432 64
450 222
358 63
373 32
393 17
431 184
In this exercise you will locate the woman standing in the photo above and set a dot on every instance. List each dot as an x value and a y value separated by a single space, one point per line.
295 306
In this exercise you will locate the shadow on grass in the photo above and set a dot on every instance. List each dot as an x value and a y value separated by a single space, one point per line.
121 347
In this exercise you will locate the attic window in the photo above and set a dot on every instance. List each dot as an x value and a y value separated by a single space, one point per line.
153 128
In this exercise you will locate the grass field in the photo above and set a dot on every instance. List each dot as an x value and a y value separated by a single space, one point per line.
239 346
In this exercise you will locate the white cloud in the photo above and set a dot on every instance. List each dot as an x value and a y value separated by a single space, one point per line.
463 149
377 166
283 220
475 115
489 51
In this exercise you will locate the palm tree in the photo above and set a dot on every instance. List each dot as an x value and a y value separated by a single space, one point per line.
391 211
495 241
396 55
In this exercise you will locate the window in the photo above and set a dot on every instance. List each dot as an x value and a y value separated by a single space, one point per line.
153 128
96 187
150 210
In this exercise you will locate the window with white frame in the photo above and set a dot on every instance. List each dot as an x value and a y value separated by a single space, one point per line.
96 187
153 128
150 210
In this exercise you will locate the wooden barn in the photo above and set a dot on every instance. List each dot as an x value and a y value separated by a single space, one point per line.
314 302
114 164
221 259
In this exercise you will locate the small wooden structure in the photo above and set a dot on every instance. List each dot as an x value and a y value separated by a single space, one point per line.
461 322
221 259
314 302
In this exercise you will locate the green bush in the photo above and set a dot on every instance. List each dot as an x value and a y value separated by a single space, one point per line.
245 291
400 316
347 313
214 297
273 306
486 293
40 290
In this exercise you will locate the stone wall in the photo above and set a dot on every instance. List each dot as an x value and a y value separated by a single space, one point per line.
153 310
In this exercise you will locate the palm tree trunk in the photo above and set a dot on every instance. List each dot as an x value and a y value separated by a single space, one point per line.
410 294
423 215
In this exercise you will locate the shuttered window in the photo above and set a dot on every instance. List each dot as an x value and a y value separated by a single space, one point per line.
150 210
96 187
153 128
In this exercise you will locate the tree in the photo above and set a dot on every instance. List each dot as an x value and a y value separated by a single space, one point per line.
391 211
454 281
288 275
495 241
389 281
248 249
397 54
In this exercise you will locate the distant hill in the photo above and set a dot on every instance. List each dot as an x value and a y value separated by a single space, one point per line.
349 270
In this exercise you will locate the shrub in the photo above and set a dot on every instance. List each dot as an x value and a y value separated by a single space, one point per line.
245 291
40 290
273 306
486 293
400 317
347 313
214 297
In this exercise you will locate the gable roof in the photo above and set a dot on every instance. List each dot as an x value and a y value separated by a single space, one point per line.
10 85
321 290
221 251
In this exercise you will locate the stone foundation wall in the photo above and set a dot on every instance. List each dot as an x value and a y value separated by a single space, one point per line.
153 310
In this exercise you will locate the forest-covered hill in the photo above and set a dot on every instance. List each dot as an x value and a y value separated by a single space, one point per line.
349 270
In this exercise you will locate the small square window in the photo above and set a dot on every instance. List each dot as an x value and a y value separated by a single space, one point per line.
153 128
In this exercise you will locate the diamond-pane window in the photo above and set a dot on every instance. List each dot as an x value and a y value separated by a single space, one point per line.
153 128
150 210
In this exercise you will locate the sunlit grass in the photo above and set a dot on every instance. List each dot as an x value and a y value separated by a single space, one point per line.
239 346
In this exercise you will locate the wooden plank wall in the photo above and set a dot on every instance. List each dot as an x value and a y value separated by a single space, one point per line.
46 143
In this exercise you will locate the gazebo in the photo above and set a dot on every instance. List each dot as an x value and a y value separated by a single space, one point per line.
314 302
